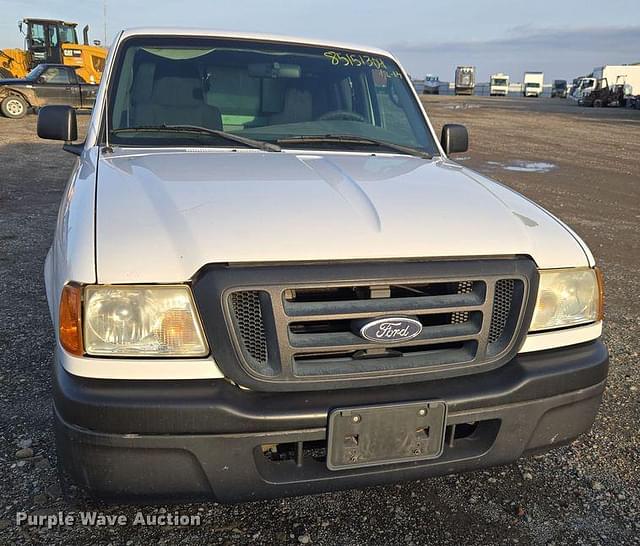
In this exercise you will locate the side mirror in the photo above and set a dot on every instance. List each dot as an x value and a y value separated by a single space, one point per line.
58 122
454 139
41 79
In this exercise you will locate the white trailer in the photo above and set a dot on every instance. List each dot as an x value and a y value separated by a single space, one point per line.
532 84
499 85
465 80
620 74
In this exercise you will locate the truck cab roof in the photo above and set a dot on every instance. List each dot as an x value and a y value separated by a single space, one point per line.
200 32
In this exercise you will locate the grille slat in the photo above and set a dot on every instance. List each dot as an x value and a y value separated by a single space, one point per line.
376 306
333 340
327 365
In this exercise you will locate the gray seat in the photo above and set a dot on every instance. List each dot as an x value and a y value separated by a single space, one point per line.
298 107
176 98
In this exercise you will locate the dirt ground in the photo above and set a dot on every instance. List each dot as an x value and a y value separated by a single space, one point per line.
582 164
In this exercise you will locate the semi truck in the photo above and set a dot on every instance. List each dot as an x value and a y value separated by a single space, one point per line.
581 86
559 89
499 85
431 85
465 80
626 75
532 84
604 94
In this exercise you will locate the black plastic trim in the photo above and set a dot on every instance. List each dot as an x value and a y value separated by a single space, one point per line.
218 407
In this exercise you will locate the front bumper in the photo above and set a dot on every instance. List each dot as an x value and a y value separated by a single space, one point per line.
202 438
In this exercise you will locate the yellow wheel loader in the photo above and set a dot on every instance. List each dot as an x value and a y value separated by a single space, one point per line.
51 41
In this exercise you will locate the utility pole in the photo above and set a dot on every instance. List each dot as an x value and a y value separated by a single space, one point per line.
105 22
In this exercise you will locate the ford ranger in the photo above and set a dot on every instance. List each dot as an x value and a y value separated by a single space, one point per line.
268 278
45 84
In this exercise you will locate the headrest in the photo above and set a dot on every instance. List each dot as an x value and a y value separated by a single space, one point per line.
177 83
143 83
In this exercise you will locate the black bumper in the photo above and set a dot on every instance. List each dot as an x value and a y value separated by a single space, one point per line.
201 439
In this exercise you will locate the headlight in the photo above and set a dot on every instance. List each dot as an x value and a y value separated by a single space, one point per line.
141 321
567 297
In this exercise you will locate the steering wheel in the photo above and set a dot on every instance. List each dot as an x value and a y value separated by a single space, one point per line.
341 115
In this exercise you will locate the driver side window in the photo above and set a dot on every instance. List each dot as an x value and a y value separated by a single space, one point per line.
56 75
349 96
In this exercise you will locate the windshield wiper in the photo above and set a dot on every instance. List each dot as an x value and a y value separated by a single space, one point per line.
251 143
355 139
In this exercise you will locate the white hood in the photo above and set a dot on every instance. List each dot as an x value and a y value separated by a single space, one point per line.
162 215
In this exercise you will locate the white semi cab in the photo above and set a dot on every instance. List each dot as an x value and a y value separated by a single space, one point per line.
268 278
532 84
431 85
583 87
499 85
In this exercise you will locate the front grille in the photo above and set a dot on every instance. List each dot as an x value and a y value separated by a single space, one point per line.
289 329
324 342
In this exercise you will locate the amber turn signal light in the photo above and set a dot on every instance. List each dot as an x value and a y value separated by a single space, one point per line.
70 315
600 278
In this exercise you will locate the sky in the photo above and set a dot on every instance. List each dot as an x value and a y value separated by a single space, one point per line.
562 39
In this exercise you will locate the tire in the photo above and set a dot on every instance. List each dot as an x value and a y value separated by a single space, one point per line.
4 73
597 103
14 107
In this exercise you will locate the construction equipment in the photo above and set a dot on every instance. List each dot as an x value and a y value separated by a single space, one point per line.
52 41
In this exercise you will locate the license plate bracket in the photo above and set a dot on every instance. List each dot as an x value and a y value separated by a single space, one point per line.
385 434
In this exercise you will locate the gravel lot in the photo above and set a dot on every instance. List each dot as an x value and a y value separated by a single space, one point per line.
582 164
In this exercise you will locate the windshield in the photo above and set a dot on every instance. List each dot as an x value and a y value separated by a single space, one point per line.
535 85
499 81
67 34
259 90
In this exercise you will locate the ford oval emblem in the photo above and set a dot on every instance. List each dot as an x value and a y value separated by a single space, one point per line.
391 329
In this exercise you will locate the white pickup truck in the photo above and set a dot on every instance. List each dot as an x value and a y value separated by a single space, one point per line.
268 278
